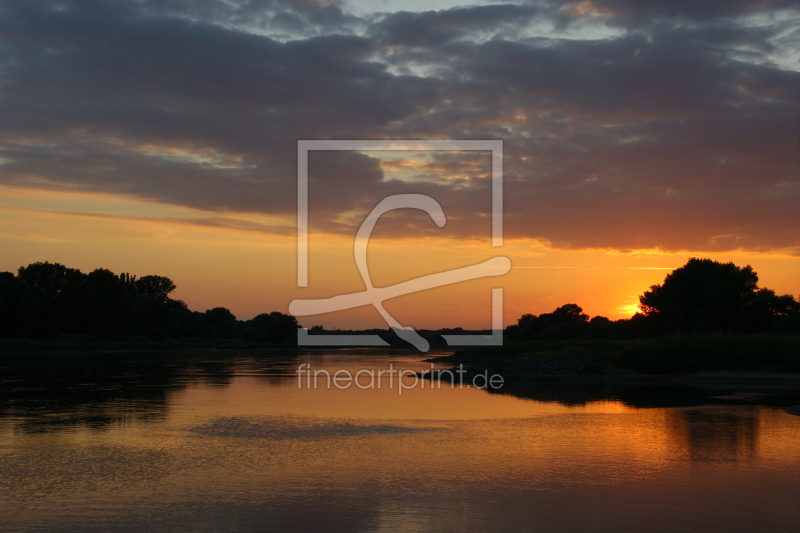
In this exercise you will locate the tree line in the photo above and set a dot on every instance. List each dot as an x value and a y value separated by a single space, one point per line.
703 296
46 300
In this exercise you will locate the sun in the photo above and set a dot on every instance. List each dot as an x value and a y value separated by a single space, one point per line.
630 309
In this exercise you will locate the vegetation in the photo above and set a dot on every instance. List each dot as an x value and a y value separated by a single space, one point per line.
705 315
135 343
683 354
671 354
51 301
703 296
706 296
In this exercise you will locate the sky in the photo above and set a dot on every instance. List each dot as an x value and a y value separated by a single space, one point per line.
160 137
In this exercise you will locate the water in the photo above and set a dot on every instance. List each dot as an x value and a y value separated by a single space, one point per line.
228 442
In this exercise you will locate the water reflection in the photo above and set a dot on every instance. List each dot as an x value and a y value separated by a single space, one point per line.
51 393
218 442
54 392
715 434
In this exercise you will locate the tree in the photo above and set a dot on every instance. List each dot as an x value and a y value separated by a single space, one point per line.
103 304
47 276
569 313
128 280
22 309
158 287
220 315
706 296
763 310
219 322
274 327
567 321
48 299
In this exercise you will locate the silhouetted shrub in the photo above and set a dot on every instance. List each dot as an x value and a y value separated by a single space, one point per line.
48 299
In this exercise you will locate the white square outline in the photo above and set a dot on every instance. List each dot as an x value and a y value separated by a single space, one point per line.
304 146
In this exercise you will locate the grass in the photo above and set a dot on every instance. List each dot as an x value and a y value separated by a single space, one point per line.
698 353
675 354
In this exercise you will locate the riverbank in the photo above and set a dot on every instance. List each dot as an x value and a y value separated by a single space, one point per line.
695 359
80 344
89 344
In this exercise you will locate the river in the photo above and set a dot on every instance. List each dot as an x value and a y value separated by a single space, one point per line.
240 442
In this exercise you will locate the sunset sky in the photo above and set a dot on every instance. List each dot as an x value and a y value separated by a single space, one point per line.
160 137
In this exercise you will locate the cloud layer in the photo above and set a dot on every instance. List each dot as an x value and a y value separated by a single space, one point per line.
626 125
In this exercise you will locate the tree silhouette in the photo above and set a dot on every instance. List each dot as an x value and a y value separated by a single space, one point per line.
47 276
128 280
100 304
569 313
48 299
23 308
158 287
566 322
705 295
273 327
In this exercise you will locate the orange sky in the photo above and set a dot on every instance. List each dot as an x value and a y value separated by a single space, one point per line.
216 261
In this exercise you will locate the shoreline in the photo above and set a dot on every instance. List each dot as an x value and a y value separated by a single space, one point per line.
583 363
789 379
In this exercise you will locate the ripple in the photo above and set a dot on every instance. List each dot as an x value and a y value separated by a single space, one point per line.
293 427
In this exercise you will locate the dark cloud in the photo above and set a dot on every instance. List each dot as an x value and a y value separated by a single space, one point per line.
434 28
661 134
284 17
687 9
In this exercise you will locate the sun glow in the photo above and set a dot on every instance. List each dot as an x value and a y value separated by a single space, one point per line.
630 309
246 262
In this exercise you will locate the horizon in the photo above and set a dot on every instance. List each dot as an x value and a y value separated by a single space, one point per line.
308 323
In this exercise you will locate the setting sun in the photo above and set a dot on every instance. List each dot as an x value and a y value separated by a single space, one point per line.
629 310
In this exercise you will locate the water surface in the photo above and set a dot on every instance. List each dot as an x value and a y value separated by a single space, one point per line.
228 442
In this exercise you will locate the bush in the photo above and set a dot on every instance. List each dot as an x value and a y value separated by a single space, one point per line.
683 354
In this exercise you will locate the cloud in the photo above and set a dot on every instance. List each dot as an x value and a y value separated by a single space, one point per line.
436 27
685 9
676 131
